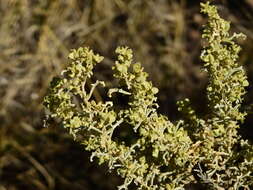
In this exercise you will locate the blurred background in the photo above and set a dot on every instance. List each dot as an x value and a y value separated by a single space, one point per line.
35 39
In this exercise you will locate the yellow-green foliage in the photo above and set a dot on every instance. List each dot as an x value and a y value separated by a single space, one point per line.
166 155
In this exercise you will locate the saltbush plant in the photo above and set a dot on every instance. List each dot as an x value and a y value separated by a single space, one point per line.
163 154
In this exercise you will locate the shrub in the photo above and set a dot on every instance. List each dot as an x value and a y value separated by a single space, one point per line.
164 155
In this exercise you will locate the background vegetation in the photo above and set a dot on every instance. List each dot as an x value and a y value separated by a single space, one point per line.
35 39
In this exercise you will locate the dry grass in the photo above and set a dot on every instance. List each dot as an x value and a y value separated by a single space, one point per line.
35 38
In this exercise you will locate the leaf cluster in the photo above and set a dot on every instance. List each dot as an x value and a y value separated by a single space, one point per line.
166 155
